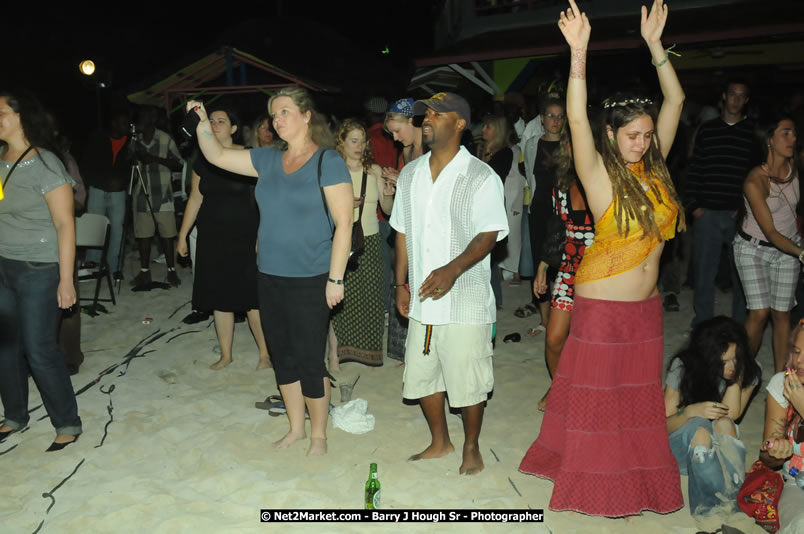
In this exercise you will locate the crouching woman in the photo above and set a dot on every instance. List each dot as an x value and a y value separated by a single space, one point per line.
706 391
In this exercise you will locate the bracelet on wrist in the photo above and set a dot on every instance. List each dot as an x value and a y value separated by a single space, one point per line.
336 282
667 52
396 286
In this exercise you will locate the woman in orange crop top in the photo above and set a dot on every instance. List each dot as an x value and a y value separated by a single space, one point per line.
603 440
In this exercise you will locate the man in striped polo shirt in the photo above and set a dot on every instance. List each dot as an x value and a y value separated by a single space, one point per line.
724 148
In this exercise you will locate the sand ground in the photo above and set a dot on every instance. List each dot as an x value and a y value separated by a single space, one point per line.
186 451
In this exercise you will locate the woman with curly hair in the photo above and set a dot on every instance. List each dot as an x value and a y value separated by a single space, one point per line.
357 326
706 391
603 441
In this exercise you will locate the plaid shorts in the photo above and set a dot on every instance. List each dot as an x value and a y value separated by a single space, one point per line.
769 276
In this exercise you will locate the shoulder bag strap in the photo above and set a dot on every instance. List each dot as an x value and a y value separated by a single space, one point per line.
321 189
362 196
5 182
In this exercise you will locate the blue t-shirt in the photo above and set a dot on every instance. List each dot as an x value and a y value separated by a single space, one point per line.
295 234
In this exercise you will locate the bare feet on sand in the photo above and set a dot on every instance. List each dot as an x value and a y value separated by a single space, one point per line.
472 460
289 439
220 364
543 401
318 447
433 452
264 363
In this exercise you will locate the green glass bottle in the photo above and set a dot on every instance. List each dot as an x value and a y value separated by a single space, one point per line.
372 489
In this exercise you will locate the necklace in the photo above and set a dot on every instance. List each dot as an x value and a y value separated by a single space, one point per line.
787 179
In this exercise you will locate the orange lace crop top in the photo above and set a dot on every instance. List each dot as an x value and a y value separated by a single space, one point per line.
612 254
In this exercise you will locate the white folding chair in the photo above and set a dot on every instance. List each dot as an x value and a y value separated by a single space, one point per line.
92 232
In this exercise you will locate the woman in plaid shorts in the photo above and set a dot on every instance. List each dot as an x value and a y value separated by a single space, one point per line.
767 247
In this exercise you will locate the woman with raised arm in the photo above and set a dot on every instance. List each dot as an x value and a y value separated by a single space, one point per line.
300 261
225 262
603 440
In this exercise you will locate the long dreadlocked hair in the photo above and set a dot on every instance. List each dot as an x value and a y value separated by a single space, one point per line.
630 199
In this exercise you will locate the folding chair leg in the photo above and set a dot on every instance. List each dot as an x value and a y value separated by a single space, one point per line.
111 287
98 282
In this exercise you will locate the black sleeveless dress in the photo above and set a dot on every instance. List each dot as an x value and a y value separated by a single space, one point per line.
225 257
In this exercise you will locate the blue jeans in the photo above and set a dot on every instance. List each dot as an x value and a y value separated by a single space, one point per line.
113 205
715 474
712 230
29 323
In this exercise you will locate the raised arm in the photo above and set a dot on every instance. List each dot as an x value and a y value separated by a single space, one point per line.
651 27
588 164
236 161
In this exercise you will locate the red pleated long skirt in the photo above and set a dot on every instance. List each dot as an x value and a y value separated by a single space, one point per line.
603 440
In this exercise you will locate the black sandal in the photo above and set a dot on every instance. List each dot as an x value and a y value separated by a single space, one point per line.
526 311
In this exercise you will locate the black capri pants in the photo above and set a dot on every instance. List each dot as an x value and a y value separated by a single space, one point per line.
295 317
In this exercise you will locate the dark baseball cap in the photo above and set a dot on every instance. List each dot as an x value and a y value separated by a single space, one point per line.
444 102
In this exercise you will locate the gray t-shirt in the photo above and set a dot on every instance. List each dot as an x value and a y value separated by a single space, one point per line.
673 378
26 227
295 235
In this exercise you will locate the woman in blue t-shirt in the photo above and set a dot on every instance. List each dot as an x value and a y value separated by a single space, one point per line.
301 261
706 391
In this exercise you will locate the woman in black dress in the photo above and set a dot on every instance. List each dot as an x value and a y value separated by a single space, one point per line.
222 204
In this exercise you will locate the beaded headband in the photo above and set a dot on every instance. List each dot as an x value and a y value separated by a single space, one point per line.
609 104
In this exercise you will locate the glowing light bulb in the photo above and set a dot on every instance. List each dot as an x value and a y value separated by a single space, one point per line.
87 67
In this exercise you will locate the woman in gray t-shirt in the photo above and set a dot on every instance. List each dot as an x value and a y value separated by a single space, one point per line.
37 256
707 389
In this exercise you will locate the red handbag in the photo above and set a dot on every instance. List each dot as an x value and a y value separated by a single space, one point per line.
759 495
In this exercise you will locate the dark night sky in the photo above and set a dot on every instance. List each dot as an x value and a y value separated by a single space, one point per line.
133 46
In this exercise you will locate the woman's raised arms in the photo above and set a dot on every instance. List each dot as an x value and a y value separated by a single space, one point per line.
236 161
651 27
588 164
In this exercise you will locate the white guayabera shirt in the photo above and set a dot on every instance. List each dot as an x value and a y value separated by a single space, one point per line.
439 220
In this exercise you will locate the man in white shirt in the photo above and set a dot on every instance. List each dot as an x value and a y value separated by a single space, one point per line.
448 213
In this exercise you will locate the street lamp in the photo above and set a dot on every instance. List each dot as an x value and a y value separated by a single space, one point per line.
87 67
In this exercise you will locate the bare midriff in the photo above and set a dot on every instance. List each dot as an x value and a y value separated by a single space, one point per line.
626 267
635 284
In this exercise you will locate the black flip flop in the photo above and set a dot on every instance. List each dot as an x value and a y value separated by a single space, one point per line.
269 402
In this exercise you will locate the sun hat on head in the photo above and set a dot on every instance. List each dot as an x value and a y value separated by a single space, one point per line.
444 102
403 106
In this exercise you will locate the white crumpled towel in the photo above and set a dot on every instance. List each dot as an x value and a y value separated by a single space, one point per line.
352 417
